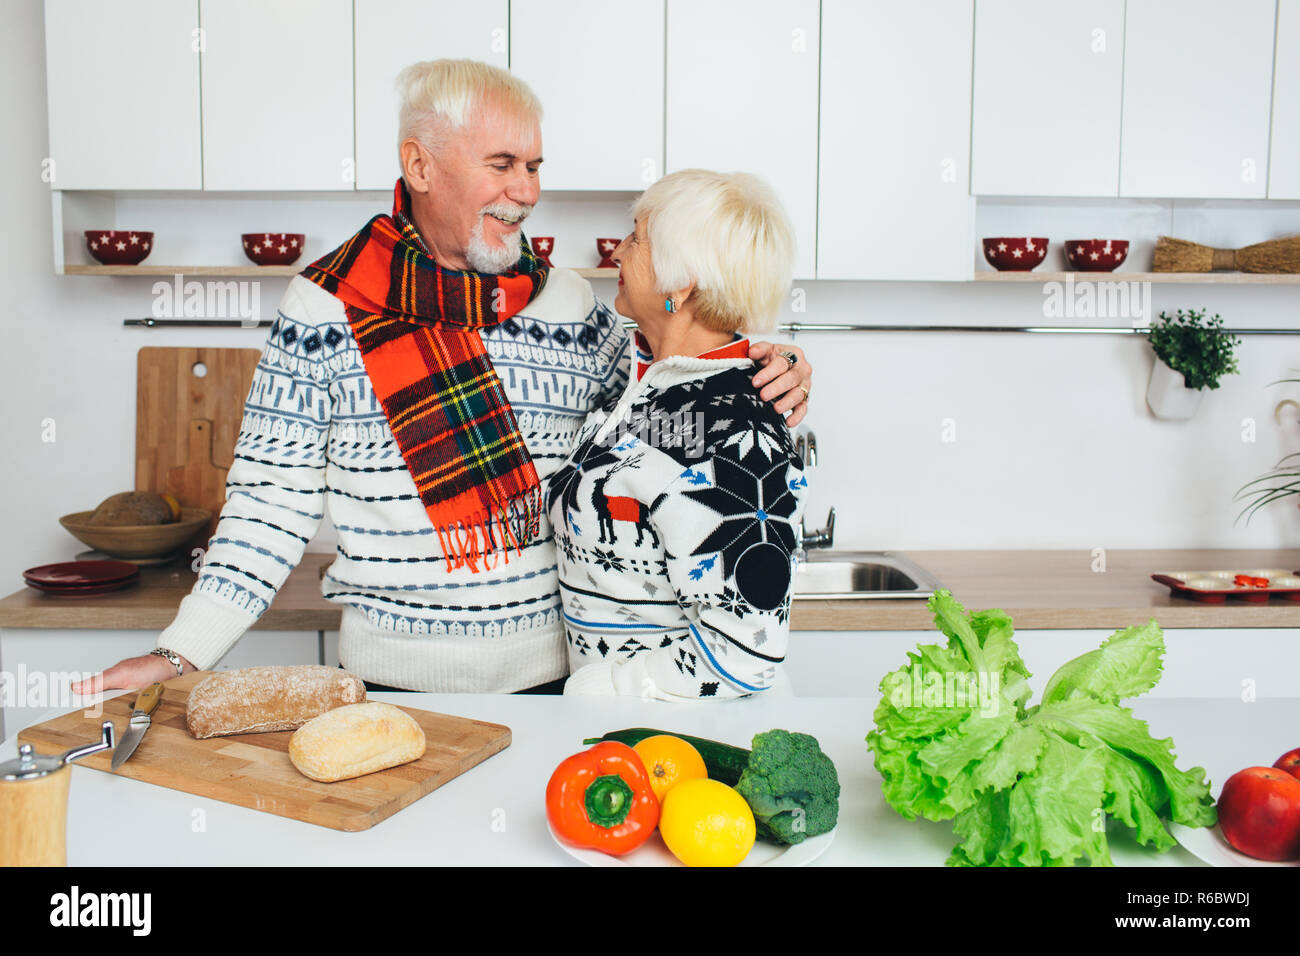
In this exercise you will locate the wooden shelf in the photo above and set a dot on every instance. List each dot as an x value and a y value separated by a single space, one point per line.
244 270
1188 278
146 270
1224 278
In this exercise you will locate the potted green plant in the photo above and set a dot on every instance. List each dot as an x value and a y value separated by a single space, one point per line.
1282 482
1192 354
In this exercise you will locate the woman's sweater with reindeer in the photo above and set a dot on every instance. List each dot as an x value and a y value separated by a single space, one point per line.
674 523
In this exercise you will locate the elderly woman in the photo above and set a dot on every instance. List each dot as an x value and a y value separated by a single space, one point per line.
675 514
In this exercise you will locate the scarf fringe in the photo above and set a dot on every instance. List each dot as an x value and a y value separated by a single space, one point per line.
470 540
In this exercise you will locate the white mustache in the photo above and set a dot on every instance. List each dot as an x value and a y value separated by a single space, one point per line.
503 211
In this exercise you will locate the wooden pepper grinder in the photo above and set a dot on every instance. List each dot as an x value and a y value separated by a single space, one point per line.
34 803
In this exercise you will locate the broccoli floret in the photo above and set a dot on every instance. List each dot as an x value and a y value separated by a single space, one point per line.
791 786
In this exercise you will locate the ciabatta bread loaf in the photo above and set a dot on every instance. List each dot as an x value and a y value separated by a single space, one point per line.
259 699
354 740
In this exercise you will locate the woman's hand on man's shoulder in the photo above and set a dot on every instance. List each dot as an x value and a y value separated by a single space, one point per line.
781 383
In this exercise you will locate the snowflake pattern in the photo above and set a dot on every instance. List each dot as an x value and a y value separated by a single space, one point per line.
566 545
608 560
782 611
733 603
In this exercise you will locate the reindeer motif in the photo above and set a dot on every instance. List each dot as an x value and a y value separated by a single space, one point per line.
620 507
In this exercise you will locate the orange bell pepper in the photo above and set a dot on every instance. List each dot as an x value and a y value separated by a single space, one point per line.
602 798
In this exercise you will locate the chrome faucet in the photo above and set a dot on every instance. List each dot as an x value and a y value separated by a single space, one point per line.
805 447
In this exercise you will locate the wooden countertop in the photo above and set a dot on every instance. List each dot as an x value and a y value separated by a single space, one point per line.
151 604
1060 589
1039 589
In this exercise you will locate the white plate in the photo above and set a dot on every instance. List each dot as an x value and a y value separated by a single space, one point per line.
1208 845
654 853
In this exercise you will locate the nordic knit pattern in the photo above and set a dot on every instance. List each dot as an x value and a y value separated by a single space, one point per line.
674 521
314 436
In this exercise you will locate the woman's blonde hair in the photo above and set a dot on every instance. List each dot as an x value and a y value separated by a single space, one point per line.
441 96
727 233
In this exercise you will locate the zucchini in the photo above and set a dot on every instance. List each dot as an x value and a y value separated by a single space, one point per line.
723 762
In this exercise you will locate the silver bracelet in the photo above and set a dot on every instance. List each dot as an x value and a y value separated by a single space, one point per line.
171 656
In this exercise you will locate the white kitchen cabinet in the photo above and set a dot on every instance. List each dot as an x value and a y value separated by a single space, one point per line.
1046 103
277 96
392 35
1197 86
1284 162
894 187
598 68
123 87
761 69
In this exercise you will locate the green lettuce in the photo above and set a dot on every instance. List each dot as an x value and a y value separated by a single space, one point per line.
955 738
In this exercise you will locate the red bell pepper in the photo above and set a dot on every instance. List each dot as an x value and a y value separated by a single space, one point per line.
602 798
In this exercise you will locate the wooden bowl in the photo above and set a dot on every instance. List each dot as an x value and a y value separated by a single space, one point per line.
137 541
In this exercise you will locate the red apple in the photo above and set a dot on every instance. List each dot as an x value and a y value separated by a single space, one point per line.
1259 813
1290 762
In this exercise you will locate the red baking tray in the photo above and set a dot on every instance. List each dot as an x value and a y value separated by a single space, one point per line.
1194 584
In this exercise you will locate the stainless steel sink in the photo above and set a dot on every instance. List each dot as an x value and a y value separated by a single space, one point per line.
838 575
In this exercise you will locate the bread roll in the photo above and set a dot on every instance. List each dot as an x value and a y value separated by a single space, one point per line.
354 740
260 699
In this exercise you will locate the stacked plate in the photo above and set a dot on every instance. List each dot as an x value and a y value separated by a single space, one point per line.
82 578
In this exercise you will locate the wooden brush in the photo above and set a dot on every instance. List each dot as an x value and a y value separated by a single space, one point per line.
1179 255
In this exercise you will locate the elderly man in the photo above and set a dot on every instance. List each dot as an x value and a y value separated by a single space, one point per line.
422 381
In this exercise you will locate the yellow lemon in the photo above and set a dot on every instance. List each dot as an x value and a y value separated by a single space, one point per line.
706 823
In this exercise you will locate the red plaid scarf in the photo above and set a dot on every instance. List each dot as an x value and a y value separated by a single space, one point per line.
417 325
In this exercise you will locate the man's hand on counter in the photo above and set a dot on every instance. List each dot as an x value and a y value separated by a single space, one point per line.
132 672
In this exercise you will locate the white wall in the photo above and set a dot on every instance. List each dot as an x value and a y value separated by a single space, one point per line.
1054 447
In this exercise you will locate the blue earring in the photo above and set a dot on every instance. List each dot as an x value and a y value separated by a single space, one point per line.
668 305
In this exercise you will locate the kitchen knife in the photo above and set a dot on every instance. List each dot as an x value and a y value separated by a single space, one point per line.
141 719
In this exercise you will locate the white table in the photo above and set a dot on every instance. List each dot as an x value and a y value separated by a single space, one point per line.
494 814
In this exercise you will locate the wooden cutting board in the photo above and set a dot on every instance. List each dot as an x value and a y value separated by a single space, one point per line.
253 770
186 425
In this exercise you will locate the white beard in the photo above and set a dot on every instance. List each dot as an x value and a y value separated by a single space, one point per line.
488 259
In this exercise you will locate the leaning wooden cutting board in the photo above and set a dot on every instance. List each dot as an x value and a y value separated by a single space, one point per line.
186 425
253 770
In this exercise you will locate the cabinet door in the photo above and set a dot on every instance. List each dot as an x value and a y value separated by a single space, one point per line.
277 95
598 68
391 36
1046 113
894 187
1284 165
123 85
762 69
1197 84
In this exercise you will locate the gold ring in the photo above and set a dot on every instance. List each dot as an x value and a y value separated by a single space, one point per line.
805 393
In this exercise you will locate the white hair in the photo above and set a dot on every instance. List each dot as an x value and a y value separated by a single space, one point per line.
441 96
727 233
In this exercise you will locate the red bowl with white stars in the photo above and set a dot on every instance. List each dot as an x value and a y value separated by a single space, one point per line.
273 248
119 247
1095 255
1014 254
605 248
543 246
